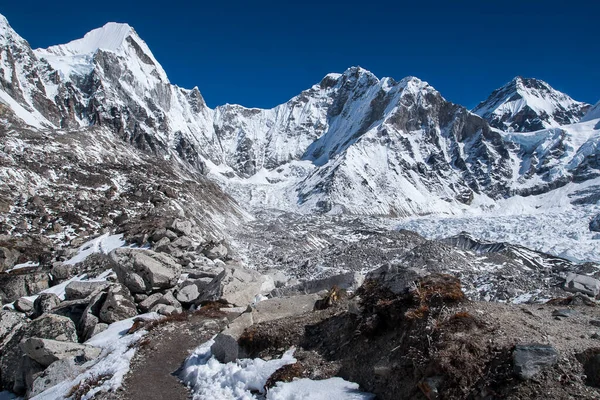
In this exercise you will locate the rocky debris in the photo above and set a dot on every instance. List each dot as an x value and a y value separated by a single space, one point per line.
44 303
595 224
581 283
18 249
81 289
118 306
21 284
180 227
46 351
23 305
530 359
564 313
15 370
282 307
349 281
215 251
145 271
237 286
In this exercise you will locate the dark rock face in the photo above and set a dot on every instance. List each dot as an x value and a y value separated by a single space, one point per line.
595 224
530 359
20 284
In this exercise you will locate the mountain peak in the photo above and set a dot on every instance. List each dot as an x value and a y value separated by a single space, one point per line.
529 104
109 37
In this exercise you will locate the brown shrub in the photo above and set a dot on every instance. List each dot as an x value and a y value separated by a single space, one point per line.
287 373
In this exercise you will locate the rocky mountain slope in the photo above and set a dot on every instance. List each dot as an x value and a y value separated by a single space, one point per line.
352 143
527 105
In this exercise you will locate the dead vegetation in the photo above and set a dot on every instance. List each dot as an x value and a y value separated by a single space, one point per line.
78 391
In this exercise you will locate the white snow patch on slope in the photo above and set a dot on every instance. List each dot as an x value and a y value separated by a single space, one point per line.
212 380
102 244
117 351
327 389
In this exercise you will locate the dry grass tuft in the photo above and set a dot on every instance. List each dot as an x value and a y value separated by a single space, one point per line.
78 391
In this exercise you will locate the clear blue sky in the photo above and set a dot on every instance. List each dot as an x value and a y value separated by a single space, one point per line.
261 53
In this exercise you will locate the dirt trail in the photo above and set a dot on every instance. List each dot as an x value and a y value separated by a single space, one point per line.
162 352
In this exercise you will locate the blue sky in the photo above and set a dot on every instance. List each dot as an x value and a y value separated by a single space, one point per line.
261 53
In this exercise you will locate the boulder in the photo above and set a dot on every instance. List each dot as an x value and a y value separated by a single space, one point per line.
57 372
118 306
44 303
348 281
145 271
16 371
10 322
282 307
164 309
180 227
188 292
214 251
89 319
162 233
51 326
530 359
225 347
23 305
595 224
236 286
583 284
397 278
47 351
81 289
150 302
16 285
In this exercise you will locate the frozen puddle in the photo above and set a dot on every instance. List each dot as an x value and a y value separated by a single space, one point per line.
211 380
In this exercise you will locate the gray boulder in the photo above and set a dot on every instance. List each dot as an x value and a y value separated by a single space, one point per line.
595 224
165 309
118 306
282 307
16 371
217 250
395 277
530 359
583 284
237 286
44 303
180 227
226 348
348 281
16 285
145 271
10 323
82 289
89 319
23 305
57 372
47 351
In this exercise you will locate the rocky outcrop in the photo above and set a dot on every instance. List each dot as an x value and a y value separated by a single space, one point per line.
47 351
145 271
237 286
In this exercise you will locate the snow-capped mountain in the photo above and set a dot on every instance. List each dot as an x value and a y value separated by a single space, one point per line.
527 105
350 143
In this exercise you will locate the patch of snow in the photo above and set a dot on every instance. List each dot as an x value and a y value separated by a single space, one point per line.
28 264
114 362
102 244
327 389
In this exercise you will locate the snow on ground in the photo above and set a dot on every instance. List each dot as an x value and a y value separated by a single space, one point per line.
28 264
117 351
327 389
102 244
211 380
547 223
